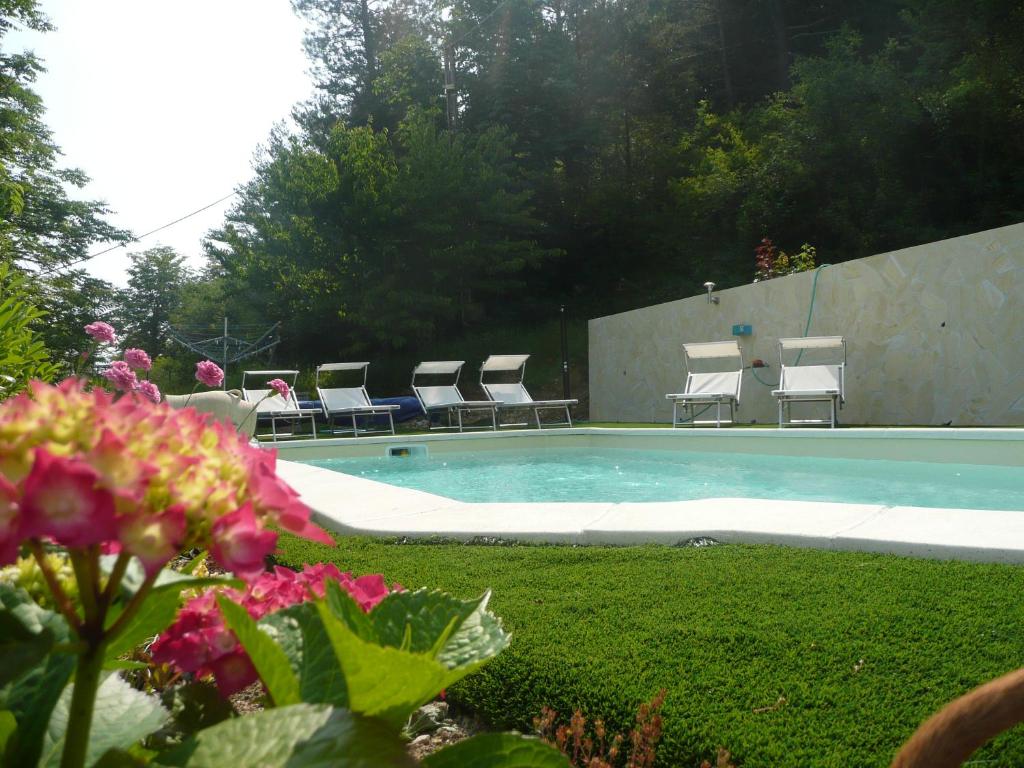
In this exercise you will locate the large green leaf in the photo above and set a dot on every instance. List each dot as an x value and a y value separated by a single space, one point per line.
344 607
301 635
424 619
478 638
267 657
122 716
197 706
32 699
497 750
27 633
306 735
382 682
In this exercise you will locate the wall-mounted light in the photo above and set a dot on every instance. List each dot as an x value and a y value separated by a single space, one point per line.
709 286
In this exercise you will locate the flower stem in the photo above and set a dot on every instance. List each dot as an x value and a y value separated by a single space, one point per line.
83 701
114 580
87 586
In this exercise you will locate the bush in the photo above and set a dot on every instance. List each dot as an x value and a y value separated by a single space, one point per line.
786 657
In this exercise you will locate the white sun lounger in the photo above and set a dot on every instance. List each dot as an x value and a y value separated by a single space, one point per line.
512 394
351 402
811 383
270 405
446 398
715 388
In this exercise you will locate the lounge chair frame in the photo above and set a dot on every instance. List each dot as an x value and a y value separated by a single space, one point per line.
815 383
274 407
705 389
513 395
446 399
351 402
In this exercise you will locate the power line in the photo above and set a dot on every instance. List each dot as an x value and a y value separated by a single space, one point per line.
477 26
137 239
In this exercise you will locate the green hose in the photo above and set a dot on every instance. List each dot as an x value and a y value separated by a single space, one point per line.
807 326
810 310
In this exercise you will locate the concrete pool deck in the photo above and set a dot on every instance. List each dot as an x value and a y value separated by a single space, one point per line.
354 505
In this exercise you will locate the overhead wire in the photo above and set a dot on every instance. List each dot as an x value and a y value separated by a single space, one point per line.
136 239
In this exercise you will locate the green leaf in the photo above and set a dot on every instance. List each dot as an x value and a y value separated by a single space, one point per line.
27 633
478 638
32 699
456 632
497 750
301 635
197 706
167 580
431 616
8 725
306 735
344 607
267 657
383 682
154 616
118 758
195 562
122 716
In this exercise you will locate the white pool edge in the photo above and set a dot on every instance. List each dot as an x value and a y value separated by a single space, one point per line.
352 505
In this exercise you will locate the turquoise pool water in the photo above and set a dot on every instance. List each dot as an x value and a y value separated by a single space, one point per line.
618 475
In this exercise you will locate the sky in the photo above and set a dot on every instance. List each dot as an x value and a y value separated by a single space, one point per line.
164 105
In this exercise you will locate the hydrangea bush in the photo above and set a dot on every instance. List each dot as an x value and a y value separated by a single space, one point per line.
102 491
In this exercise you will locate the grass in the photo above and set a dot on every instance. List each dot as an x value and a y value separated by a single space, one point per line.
786 657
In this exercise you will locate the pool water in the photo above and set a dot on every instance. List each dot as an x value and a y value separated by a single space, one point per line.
617 475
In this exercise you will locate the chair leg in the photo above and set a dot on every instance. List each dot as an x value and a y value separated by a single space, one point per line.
391 421
675 408
568 416
536 415
780 414
312 424
718 415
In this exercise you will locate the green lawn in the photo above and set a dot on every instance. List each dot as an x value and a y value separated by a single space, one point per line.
786 657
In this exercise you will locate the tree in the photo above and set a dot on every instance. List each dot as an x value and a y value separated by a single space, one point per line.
155 279
381 240
23 355
43 231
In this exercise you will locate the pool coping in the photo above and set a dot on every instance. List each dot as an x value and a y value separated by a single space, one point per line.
355 505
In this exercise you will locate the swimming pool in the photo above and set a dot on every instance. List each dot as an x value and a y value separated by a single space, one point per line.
623 475
926 492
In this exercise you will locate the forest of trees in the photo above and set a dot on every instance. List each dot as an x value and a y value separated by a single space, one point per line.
603 154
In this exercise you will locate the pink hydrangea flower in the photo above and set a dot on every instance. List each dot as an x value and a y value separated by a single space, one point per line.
241 544
154 539
121 375
8 521
209 373
149 390
199 642
81 468
138 359
61 500
101 332
280 386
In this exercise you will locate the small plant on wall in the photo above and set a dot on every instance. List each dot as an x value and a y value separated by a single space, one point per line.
771 262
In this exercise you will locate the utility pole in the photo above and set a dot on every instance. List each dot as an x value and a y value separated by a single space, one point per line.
565 354
224 365
451 99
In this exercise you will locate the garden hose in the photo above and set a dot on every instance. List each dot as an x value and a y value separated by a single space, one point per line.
807 325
